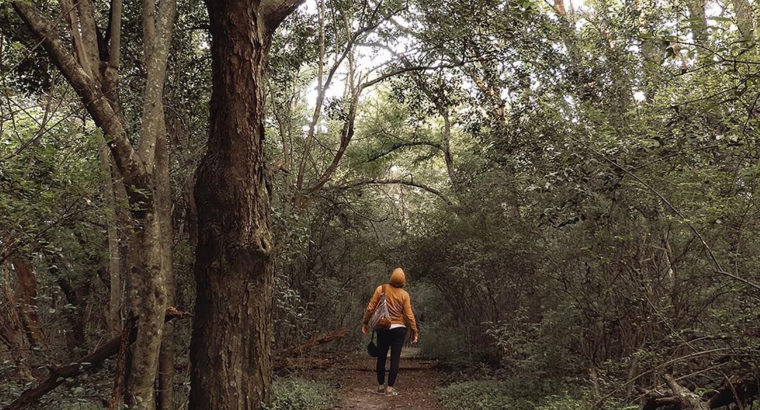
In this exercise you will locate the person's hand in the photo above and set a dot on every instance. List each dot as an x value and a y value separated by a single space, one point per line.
365 329
416 339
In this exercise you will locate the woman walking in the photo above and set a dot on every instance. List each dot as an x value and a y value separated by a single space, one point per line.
400 310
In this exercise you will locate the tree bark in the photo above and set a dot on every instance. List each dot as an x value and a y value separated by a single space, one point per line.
231 342
164 205
11 329
26 301
114 254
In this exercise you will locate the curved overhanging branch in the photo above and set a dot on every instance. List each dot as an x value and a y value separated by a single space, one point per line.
394 147
396 181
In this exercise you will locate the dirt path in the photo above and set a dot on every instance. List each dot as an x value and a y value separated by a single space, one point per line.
416 382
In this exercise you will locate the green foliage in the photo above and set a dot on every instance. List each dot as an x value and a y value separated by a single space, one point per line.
294 393
507 395
487 395
554 137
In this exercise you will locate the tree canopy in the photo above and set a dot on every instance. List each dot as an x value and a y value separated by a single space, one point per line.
569 187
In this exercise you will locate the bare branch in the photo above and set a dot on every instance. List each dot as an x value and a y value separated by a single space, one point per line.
406 69
345 138
394 147
321 90
395 182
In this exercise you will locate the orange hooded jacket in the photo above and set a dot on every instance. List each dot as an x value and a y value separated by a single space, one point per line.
398 301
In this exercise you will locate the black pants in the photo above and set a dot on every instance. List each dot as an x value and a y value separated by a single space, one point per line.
394 339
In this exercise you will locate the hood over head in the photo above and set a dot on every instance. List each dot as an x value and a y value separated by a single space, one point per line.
398 278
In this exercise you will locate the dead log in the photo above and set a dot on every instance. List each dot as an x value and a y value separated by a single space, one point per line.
733 390
57 375
315 342
687 399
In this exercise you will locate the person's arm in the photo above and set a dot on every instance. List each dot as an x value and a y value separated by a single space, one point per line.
410 317
372 304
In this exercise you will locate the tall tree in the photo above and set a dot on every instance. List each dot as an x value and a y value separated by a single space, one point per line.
92 69
230 348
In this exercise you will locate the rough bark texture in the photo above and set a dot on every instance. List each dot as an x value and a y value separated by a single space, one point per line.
12 332
147 298
26 301
231 333
230 349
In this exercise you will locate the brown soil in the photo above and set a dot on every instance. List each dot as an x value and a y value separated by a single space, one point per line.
416 381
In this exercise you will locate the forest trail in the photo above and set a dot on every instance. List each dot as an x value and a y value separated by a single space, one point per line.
416 382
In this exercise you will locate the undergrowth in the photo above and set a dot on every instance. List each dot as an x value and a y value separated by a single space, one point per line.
293 393
508 395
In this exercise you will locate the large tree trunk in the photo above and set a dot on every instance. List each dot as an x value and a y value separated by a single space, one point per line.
230 349
231 334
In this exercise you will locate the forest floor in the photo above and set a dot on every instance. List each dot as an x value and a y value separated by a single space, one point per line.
354 379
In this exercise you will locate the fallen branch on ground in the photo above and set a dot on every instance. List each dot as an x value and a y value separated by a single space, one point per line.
733 390
57 375
316 341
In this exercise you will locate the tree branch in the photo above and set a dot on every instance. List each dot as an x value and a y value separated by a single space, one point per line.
59 375
395 182
345 138
400 145
274 12
89 37
406 69
157 41
87 89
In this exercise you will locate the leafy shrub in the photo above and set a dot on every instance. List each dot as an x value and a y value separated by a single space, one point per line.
294 393
505 395
482 394
445 343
